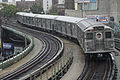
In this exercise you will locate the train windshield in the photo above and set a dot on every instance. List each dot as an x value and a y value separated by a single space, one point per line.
89 36
108 35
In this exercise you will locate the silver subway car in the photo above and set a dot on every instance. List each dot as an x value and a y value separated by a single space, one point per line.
93 37
99 39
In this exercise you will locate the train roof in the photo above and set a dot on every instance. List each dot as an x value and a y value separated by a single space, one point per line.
69 19
46 16
19 13
56 17
89 24
26 14
83 23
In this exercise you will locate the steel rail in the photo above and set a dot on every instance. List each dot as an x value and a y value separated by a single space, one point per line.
99 70
40 60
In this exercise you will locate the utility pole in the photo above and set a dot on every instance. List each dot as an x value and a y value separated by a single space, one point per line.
83 8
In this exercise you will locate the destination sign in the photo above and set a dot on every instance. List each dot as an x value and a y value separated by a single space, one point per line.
83 1
99 28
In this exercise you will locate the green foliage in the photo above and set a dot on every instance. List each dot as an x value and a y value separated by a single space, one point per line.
53 10
36 9
8 10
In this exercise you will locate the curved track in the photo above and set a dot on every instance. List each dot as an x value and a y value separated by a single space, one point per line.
117 40
51 48
98 69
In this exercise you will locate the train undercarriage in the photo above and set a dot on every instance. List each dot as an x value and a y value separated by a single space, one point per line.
97 56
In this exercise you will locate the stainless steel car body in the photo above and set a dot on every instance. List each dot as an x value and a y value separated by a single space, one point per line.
94 37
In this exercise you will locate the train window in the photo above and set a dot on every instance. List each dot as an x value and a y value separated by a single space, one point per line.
89 36
108 35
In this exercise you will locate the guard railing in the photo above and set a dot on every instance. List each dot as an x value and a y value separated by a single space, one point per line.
16 58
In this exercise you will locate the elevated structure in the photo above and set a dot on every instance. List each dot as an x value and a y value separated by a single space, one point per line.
96 7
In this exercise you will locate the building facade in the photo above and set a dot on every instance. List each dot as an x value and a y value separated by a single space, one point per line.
61 1
47 5
69 4
24 5
39 2
13 2
96 7
55 2
87 5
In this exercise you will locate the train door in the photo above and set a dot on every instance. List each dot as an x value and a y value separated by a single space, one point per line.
52 25
43 23
99 40
109 40
63 27
38 22
74 31
56 26
58 23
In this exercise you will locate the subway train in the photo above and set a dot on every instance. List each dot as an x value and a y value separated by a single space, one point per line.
93 37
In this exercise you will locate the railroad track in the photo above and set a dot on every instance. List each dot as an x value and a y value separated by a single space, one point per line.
117 43
101 70
117 40
98 70
51 48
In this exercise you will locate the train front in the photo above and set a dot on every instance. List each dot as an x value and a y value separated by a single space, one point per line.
99 39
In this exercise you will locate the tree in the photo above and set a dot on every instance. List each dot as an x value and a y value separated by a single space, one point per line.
36 9
53 10
8 11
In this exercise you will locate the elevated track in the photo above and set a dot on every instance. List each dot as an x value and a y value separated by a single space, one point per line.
51 51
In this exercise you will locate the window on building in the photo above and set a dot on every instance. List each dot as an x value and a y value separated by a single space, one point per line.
87 4
4 0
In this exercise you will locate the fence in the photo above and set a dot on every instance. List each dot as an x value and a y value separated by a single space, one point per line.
19 56
53 71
